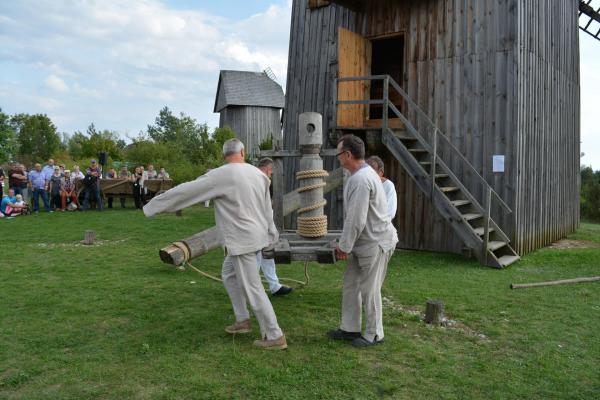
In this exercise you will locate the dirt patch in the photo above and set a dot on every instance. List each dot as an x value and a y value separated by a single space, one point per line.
416 314
574 244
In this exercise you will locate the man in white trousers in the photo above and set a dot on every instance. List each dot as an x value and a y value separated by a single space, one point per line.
367 241
267 266
244 219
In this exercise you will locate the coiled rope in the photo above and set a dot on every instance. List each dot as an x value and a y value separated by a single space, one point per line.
315 226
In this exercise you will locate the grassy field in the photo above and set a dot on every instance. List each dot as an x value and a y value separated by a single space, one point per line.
111 321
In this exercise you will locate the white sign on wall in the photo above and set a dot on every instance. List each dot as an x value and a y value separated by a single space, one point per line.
498 163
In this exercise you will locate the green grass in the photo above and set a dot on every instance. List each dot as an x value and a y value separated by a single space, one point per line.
111 321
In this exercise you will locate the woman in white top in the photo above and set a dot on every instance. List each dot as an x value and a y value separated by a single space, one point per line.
390 190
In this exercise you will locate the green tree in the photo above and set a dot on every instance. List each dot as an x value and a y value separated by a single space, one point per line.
8 138
37 136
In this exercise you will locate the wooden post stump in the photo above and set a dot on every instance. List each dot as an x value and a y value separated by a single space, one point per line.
434 312
179 213
89 237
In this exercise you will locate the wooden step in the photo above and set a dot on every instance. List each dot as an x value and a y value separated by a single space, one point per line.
471 217
480 231
458 203
507 260
495 245
418 151
427 163
440 176
448 189
404 136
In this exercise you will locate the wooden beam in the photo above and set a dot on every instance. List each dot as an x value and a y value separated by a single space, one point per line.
207 240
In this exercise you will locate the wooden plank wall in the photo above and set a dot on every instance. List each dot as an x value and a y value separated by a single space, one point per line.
460 70
548 122
497 76
252 124
312 66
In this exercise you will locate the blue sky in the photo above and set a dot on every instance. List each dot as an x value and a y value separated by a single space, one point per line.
117 63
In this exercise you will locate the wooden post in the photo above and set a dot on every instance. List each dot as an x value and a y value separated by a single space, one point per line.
207 240
278 188
434 312
486 222
311 219
386 88
89 236
433 162
179 213
553 283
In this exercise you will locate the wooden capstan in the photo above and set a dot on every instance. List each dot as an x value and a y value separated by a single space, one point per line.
312 242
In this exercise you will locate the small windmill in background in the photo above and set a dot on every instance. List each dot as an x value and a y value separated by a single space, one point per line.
269 72
589 17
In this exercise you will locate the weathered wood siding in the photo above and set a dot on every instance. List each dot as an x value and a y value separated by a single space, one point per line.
547 201
312 66
498 77
252 124
459 68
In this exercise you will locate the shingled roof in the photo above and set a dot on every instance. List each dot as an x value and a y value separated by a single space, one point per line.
247 88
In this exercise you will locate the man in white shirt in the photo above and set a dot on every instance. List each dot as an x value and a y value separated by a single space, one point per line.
244 220
267 266
388 186
367 241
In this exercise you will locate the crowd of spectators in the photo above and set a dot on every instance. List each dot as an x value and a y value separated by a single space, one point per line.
55 187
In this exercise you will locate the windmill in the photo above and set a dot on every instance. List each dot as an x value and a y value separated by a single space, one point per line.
589 18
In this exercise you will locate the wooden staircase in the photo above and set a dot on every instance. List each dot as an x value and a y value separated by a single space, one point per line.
585 8
469 218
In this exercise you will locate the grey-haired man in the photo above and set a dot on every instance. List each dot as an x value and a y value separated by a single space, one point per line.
367 241
244 219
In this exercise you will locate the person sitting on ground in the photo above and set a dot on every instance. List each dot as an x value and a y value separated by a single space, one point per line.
124 174
388 186
56 182
267 266
9 206
163 174
91 184
68 191
20 203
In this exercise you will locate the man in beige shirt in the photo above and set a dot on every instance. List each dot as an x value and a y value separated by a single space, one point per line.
244 220
367 241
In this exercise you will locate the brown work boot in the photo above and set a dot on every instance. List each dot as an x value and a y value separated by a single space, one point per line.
275 344
239 327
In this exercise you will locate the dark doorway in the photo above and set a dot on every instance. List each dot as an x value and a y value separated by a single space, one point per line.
387 58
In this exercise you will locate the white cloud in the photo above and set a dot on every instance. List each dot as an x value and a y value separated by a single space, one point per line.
56 83
117 63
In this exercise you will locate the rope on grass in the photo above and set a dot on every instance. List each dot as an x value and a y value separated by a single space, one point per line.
214 278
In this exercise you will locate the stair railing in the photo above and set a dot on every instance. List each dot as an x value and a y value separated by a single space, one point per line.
433 148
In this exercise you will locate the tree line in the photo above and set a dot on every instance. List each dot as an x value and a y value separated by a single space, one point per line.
590 194
179 143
